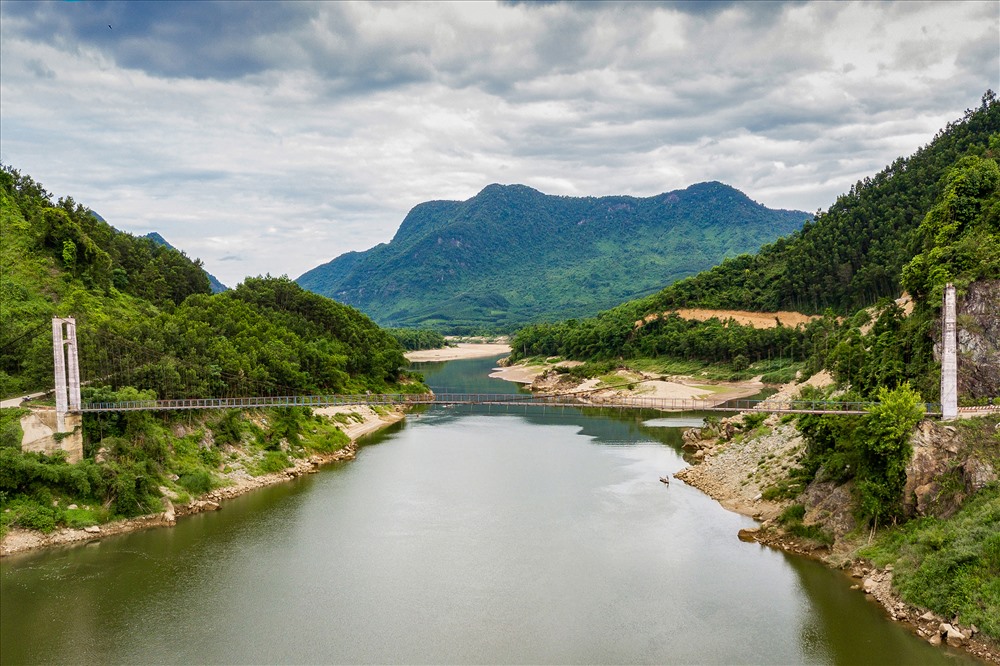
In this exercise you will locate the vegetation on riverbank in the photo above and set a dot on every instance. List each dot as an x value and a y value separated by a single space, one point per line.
146 318
413 339
951 566
135 459
924 221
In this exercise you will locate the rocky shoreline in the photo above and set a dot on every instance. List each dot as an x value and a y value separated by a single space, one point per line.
735 473
18 540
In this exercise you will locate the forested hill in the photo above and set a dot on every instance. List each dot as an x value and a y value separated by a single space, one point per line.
512 255
924 221
852 254
213 282
146 316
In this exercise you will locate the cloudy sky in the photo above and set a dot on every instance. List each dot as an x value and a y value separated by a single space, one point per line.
269 138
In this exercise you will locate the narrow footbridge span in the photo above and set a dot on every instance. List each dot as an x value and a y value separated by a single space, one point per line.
491 399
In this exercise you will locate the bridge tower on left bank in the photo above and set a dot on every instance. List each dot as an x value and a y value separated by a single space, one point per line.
47 430
66 359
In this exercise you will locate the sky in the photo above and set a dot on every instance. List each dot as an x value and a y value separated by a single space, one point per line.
270 137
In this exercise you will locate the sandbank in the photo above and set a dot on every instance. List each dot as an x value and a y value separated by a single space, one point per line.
461 350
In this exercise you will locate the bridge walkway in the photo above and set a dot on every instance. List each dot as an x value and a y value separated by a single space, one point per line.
506 399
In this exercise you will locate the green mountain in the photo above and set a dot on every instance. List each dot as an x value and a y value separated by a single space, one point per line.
214 283
852 254
149 327
512 255
925 220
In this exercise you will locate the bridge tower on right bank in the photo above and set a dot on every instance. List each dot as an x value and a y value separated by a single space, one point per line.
949 357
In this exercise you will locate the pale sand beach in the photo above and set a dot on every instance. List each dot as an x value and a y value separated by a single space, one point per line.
459 351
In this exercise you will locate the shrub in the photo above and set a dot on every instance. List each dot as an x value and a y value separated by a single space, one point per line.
885 450
197 482
794 512
273 461
753 420
31 515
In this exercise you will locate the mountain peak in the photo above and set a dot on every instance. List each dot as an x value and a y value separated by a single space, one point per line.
512 255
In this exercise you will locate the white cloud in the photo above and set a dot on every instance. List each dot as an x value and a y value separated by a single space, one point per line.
265 137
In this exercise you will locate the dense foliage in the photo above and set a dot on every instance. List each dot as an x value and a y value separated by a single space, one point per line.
512 255
61 253
133 456
622 334
924 221
853 254
216 286
950 566
146 318
413 339
873 449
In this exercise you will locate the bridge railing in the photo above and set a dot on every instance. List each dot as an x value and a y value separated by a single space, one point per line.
519 399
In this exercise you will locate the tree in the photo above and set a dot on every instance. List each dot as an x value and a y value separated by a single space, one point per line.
885 452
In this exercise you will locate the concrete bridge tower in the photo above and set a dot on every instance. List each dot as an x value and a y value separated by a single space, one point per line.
67 367
47 430
949 357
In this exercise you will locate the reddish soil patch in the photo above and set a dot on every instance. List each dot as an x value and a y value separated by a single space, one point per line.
755 319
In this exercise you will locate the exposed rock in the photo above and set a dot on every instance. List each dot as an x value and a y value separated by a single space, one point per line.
951 634
92 529
935 453
169 515
979 340
691 435
935 639
830 505
977 474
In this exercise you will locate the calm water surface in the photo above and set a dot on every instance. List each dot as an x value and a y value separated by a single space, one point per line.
463 536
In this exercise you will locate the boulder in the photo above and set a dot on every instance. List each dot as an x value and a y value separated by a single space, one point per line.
92 529
691 435
977 474
869 585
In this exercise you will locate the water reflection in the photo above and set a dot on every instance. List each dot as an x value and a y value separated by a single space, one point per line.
464 536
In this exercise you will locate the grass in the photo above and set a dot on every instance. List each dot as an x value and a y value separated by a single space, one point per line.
272 461
949 566
324 437
792 517
779 371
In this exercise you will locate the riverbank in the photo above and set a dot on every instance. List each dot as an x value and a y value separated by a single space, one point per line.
363 421
553 379
458 351
735 465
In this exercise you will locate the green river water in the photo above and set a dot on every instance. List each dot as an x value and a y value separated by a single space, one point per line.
462 535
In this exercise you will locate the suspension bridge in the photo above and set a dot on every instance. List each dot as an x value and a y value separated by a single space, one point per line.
68 392
492 399
68 388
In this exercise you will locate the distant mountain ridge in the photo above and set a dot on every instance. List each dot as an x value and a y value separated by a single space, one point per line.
217 287
512 255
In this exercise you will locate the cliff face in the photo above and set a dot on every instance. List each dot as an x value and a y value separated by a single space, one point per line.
979 340
949 464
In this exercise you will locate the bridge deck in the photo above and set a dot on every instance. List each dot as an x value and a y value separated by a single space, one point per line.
505 399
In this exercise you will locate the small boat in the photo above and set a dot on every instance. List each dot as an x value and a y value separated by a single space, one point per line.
665 479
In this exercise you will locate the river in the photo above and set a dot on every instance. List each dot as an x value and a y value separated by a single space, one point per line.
464 535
